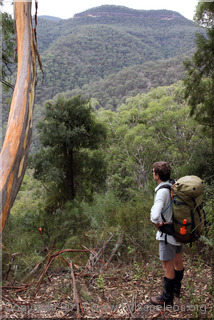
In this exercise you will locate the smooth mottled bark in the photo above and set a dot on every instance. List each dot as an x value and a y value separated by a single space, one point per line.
17 140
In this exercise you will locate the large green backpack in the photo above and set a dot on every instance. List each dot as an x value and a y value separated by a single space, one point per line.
188 214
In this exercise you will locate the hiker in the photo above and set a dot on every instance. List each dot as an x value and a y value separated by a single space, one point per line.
170 250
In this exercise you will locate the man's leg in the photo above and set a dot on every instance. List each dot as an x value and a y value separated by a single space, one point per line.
178 262
179 272
168 268
167 255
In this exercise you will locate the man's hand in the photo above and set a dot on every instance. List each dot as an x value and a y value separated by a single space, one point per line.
158 225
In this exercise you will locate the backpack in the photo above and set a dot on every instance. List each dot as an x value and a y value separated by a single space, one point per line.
187 207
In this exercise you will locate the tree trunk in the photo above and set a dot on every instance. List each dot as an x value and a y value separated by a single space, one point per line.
13 157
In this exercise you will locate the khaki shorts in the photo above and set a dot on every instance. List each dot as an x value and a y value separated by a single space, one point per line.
168 251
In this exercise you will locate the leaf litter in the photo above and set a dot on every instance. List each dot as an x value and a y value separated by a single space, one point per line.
119 291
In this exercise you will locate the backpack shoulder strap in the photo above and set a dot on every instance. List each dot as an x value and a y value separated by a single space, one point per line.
164 220
169 187
165 186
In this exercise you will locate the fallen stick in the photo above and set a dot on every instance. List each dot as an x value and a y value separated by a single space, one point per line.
76 298
96 255
50 260
38 264
43 274
68 250
96 275
12 257
118 244
19 290
11 287
75 293
103 248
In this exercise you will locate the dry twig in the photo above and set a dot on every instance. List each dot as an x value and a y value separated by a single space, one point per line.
118 244
50 260
95 256
76 298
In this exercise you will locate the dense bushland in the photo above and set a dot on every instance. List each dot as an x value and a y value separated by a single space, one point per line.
146 128
89 176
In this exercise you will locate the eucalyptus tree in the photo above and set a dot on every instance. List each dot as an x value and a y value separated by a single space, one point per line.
15 149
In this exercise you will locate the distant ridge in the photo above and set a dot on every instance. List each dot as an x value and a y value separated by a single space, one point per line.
50 18
111 10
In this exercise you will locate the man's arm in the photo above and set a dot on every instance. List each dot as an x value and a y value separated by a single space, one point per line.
158 225
157 208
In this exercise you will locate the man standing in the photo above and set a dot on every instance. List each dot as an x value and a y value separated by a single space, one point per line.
170 250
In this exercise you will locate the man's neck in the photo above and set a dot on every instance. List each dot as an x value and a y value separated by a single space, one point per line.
158 181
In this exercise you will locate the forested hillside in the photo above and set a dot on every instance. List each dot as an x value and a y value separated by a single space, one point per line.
104 41
114 89
107 45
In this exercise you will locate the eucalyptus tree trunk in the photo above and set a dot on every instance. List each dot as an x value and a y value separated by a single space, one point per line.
17 140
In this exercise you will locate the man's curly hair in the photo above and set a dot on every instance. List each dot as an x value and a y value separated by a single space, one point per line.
163 169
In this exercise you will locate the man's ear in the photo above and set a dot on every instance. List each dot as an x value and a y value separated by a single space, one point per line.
157 175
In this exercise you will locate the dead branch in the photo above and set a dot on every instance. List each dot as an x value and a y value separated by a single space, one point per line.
68 250
65 261
118 244
50 260
35 268
14 287
76 298
95 256
43 274
21 289
12 257
95 275
75 293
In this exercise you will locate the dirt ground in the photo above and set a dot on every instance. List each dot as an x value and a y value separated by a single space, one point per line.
120 291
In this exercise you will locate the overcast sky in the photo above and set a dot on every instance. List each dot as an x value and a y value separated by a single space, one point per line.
67 8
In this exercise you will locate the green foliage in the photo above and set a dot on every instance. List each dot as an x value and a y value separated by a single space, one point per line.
30 213
108 214
21 235
95 166
114 89
100 282
199 80
133 218
150 127
208 208
92 46
7 49
102 211
147 128
71 219
69 159
114 56
204 13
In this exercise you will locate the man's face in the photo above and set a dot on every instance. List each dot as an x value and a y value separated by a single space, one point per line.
155 176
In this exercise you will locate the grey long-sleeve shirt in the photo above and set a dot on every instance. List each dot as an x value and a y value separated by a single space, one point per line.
162 200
